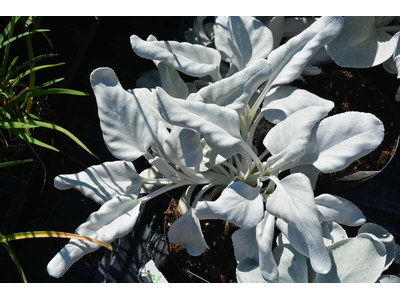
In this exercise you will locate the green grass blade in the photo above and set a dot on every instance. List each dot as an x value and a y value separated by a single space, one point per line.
27 138
14 162
33 60
11 124
14 259
4 113
55 91
5 34
9 41
16 101
4 138
27 72
8 74
37 22
48 83
44 123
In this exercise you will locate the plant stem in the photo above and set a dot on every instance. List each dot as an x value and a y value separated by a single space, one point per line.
163 190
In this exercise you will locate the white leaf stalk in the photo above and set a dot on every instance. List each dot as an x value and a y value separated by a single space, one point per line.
201 134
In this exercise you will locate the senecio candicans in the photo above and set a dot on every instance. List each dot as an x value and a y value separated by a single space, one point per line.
201 134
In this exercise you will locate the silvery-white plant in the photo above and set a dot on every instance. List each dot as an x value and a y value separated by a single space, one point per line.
200 135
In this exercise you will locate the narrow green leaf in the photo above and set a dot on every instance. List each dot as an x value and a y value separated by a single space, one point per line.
8 75
32 140
46 124
4 138
14 162
33 60
6 30
16 101
5 43
54 91
10 124
27 72
37 22
5 113
14 258
48 83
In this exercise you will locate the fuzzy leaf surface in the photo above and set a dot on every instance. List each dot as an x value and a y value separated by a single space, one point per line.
103 182
128 124
241 40
293 202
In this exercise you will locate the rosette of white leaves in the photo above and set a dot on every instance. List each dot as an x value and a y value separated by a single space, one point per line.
200 133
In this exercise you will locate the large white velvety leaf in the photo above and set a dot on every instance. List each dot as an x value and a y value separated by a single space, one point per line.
103 182
291 235
355 260
288 140
286 100
277 26
114 219
171 82
239 203
183 146
236 91
360 44
264 235
187 230
289 60
337 141
310 171
193 60
333 233
241 40
128 124
219 124
245 244
218 154
150 173
385 237
338 209
293 202
292 265
148 79
248 271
